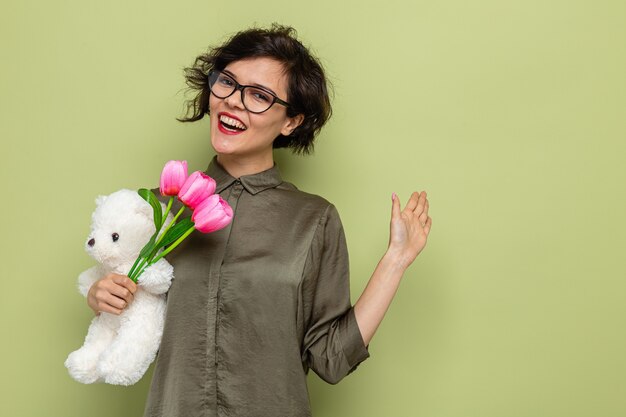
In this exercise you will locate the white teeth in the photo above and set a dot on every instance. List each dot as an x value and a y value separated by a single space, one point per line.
232 122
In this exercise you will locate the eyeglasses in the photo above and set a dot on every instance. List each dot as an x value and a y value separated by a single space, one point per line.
254 99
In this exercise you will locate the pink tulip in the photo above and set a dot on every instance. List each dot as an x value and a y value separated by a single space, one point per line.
212 214
173 177
197 188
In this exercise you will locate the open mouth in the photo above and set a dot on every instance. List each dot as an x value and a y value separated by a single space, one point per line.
230 124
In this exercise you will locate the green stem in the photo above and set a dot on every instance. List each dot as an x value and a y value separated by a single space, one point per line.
139 269
132 270
132 273
167 209
168 228
173 245
148 260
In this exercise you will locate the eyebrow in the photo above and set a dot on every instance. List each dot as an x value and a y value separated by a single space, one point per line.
269 90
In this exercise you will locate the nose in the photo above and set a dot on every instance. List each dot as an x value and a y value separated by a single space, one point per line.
236 99
91 242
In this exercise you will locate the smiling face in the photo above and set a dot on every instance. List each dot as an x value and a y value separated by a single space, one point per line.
240 137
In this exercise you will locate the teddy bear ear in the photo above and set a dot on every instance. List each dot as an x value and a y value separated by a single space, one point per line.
100 199
144 208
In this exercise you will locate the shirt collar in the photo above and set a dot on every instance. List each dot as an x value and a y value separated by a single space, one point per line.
254 183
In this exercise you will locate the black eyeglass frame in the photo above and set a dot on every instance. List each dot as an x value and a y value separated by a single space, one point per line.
240 87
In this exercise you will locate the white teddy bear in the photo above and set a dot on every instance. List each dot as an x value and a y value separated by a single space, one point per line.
119 349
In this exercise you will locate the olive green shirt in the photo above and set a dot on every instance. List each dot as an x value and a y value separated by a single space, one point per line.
256 305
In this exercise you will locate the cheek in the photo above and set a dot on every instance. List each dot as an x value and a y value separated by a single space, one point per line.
268 125
212 106
212 102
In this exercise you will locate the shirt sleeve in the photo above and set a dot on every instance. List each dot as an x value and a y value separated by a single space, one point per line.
332 344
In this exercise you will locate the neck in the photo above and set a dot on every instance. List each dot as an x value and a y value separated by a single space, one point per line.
238 166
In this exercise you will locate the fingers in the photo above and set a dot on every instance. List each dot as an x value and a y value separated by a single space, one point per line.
124 281
106 308
395 206
413 201
111 304
101 300
417 204
421 203
122 287
121 294
427 226
111 294
424 216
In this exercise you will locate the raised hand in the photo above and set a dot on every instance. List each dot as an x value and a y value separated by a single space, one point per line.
409 231
409 227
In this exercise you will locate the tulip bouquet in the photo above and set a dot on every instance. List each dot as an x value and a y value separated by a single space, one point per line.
196 191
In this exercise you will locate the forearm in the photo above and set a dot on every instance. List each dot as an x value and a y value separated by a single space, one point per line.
373 303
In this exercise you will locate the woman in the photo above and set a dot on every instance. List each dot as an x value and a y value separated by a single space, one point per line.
257 304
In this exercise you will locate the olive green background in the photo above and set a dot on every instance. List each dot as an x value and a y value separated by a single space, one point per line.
511 114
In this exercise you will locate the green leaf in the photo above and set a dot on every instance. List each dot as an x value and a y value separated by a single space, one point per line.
149 196
176 231
148 248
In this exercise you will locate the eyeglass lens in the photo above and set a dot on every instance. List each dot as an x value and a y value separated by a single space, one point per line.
254 99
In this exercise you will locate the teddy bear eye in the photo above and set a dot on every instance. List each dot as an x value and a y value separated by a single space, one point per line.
115 237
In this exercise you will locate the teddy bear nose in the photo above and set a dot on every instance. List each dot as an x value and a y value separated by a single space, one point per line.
91 242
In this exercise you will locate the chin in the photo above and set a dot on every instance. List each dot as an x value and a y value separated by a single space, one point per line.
220 142
221 147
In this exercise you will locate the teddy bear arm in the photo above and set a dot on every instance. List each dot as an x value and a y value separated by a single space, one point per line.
88 277
157 278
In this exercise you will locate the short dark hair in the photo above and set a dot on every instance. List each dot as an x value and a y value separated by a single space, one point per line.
307 91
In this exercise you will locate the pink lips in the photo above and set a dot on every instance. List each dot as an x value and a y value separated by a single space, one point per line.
223 129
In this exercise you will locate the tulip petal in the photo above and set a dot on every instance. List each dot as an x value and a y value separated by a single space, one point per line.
213 214
197 188
173 177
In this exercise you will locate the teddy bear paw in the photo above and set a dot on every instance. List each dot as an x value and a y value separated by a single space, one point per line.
82 367
121 373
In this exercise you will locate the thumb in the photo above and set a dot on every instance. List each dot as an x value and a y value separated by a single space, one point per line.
395 206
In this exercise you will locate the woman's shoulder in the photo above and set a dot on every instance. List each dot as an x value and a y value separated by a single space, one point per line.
302 199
